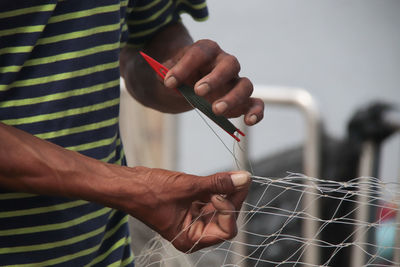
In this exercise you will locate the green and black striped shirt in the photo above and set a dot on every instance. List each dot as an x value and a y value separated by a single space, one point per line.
59 80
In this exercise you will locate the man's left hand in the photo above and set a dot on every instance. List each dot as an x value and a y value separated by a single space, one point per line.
215 75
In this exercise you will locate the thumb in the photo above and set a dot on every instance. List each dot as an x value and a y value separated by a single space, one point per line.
224 182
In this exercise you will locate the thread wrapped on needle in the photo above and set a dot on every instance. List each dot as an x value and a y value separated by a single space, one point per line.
196 101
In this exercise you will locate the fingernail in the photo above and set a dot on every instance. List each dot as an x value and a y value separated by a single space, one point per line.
252 119
203 89
220 198
221 107
171 82
240 178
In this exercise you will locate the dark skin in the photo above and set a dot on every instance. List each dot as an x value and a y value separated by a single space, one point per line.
203 64
215 76
190 211
169 202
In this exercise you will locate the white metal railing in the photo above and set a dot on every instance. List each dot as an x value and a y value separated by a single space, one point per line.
303 101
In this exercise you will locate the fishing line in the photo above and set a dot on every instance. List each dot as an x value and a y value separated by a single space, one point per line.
244 152
237 161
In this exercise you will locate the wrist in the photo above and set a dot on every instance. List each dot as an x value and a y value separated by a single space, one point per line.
118 187
142 83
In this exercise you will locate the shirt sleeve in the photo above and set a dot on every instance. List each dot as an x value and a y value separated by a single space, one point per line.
145 18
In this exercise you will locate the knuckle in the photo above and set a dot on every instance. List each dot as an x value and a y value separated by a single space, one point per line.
210 44
248 85
260 104
236 99
193 54
242 92
196 54
234 63
208 48
195 50
220 184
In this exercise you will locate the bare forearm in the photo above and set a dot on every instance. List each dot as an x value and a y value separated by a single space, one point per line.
160 198
29 164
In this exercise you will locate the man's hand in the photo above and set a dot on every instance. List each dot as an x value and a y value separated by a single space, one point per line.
190 211
215 76
204 65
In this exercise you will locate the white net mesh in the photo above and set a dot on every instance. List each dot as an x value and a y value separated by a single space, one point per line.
270 228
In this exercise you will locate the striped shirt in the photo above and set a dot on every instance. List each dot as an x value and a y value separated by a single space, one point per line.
59 80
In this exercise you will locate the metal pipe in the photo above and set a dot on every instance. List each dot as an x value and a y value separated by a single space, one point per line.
301 99
366 170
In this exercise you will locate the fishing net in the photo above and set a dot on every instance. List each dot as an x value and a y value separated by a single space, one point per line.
356 224
271 221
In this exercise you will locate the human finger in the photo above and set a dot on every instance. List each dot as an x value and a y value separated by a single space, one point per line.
236 98
238 197
225 71
216 225
221 183
197 60
255 112
252 109
225 216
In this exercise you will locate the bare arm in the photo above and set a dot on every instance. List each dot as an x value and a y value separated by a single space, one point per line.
189 209
140 80
31 165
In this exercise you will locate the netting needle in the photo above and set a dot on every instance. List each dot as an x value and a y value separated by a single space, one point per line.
196 101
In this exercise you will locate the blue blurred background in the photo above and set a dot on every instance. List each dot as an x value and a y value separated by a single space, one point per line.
345 53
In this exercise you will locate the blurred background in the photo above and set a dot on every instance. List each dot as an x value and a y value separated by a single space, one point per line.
346 54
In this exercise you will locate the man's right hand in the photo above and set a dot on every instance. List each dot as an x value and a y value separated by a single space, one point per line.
190 211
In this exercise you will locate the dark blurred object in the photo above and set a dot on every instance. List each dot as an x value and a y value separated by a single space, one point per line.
372 123
339 162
